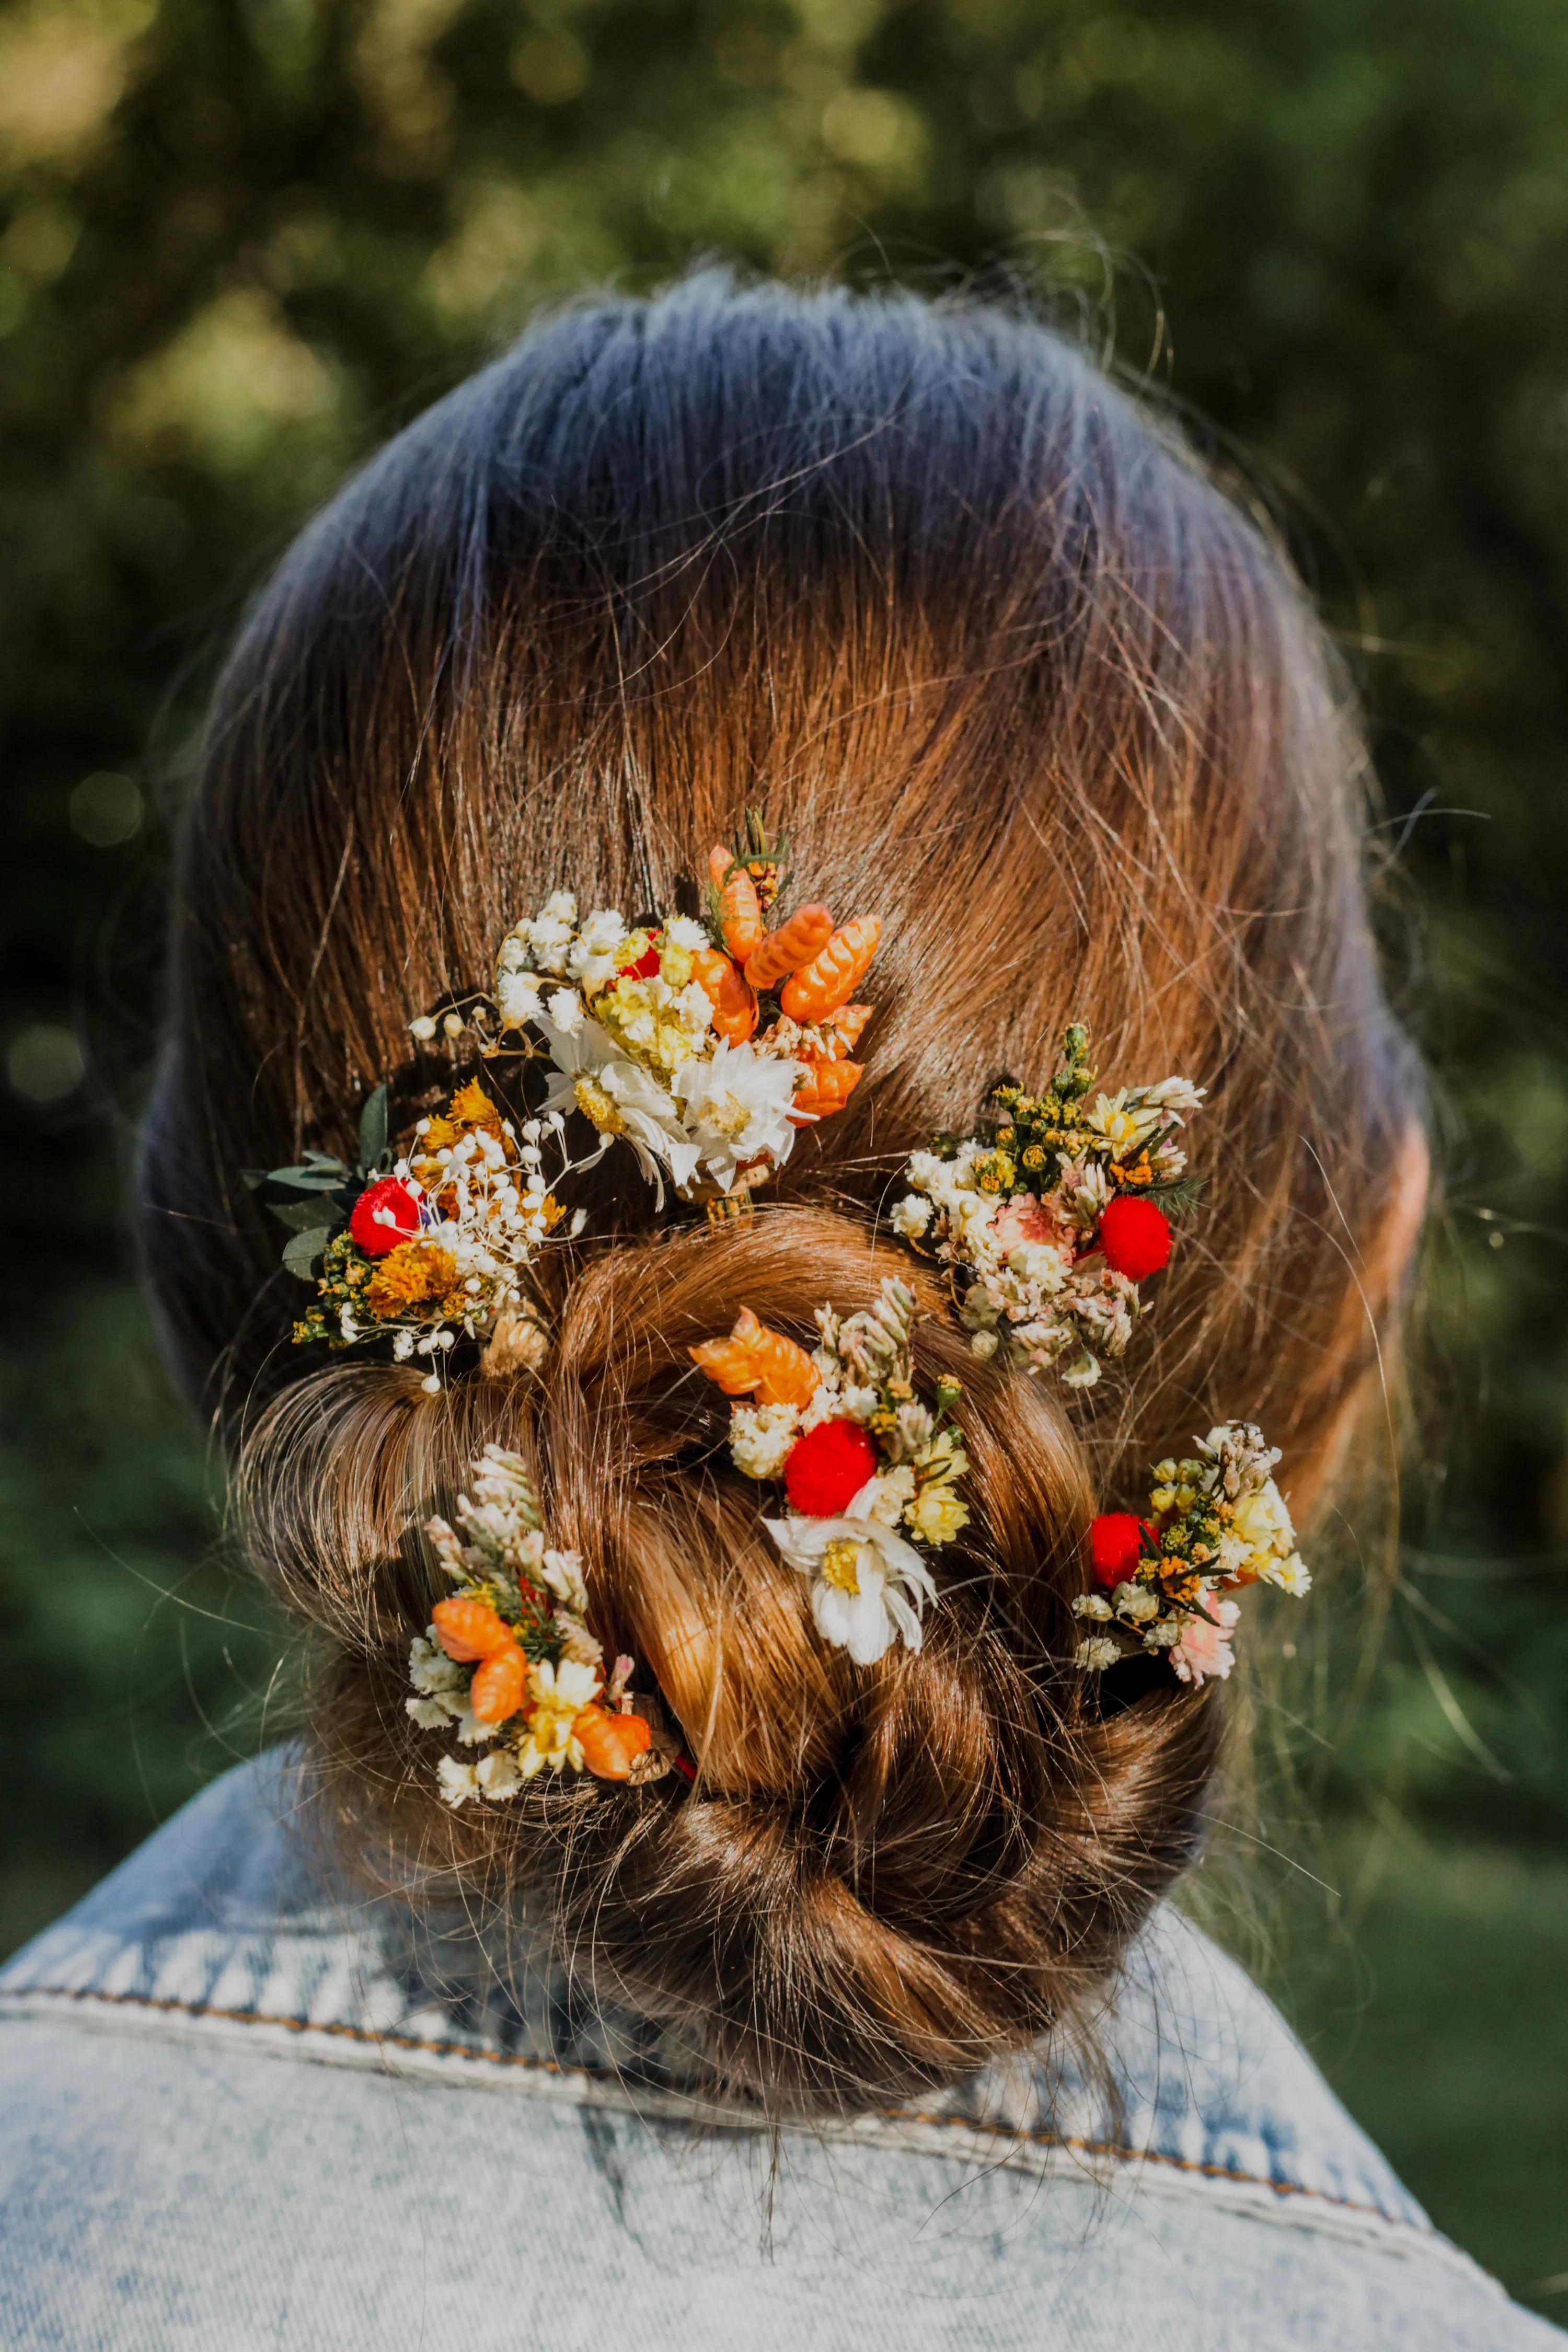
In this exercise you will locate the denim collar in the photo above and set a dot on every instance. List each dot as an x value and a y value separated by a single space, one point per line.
220 1924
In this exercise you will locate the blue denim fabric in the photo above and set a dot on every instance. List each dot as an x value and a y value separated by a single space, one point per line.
246 2106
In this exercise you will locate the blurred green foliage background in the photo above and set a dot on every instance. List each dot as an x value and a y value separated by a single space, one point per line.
245 239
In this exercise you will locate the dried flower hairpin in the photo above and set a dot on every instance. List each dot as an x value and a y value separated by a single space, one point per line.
1216 1522
860 1459
431 1246
509 1658
704 1046
1053 1213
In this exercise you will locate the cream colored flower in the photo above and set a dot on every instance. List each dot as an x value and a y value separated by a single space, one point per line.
1293 1576
685 933
498 1774
1262 1521
458 1783
556 1696
891 1491
1136 1603
567 1011
1123 1126
761 1438
428 1712
938 1513
431 1671
518 998
910 1216
563 1573
591 959
1095 1654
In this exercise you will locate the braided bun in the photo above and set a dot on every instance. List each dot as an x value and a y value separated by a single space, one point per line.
883 1875
1007 667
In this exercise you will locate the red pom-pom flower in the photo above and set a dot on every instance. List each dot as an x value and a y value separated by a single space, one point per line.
1135 1236
828 1468
1116 1543
385 1214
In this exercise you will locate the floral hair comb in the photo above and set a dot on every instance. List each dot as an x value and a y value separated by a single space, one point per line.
703 1046
1053 1212
509 1659
860 1457
1216 1522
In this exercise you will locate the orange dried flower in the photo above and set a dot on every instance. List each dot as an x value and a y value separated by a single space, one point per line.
806 934
467 1628
735 1005
846 1025
739 912
610 1743
826 1086
831 978
471 1106
497 1688
756 1361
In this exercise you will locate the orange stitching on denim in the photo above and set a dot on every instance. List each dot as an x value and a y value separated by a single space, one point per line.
609 2074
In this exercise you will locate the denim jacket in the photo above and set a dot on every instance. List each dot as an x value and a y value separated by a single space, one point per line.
245 2105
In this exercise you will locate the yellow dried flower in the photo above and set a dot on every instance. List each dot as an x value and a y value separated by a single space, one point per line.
409 1275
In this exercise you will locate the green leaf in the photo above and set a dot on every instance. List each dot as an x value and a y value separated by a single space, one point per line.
304 1252
372 1132
318 1174
300 1217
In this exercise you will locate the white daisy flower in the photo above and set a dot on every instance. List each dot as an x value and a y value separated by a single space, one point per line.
1293 1576
1178 1097
870 1584
737 1108
620 1099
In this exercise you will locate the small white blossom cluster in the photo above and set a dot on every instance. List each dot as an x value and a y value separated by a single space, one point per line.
629 1026
485 1200
439 1249
1030 1290
500 1559
1019 1213
1216 1522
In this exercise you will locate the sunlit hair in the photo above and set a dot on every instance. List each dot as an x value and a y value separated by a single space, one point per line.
1002 663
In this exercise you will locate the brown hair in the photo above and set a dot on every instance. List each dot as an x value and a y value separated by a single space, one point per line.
1009 669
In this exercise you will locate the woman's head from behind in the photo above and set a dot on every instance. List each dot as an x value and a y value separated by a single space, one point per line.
921 585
